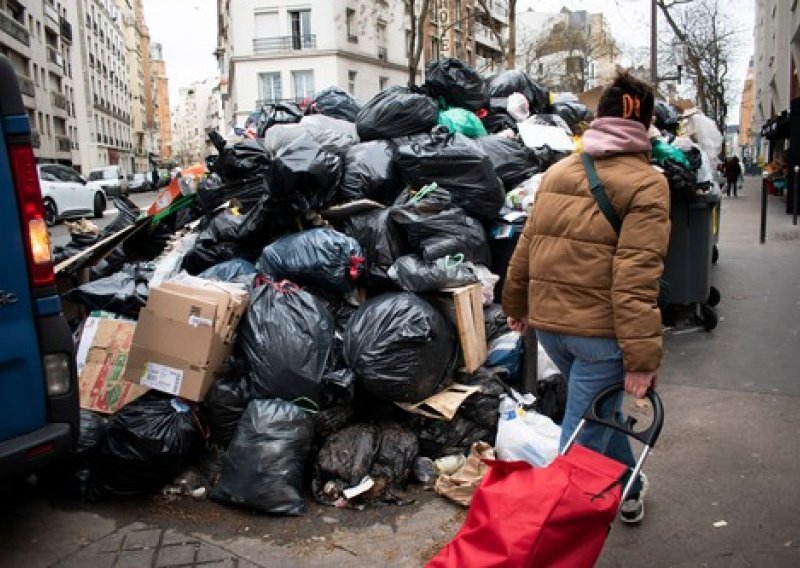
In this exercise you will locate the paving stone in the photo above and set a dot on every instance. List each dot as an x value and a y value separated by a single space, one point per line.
209 553
133 559
139 539
180 554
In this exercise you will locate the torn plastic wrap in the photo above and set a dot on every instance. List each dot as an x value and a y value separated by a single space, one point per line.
512 81
395 112
323 258
263 468
513 162
337 103
414 274
149 442
285 338
456 82
369 173
304 176
363 463
400 347
457 164
434 227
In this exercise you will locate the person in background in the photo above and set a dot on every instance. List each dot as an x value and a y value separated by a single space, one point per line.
589 291
733 174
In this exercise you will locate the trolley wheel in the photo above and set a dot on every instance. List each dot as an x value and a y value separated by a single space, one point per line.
714 254
714 296
708 317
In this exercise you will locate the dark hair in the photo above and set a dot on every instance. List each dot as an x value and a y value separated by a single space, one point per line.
628 97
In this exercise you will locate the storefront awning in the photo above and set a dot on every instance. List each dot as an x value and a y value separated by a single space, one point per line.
776 128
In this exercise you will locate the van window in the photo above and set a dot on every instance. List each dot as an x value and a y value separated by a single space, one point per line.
105 173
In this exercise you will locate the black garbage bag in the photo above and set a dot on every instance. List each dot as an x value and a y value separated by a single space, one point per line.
495 321
278 113
321 257
336 103
336 404
547 156
229 270
285 338
513 162
458 164
380 239
400 347
682 180
498 120
127 214
223 406
304 176
213 192
574 114
369 172
551 397
263 468
217 242
439 438
264 222
434 227
396 111
512 81
666 116
243 160
414 274
124 292
456 82
149 442
481 407
384 452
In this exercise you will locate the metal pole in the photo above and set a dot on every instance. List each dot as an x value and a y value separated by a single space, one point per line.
531 362
795 191
763 236
654 46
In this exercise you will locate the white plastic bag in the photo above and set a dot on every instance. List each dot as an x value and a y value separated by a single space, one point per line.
526 435
518 107
538 135
704 131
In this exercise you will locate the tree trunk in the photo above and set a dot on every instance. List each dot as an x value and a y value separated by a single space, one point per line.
511 48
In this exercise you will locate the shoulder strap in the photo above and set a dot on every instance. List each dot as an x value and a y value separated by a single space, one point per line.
599 193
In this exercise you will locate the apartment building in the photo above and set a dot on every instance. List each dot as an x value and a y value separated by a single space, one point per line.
37 37
105 92
192 115
572 50
273 50
776 112
163 121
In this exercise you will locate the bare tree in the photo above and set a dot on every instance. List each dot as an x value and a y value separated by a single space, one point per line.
707 36
507 45
418 12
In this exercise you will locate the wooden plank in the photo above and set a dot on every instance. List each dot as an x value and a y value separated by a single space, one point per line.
468 302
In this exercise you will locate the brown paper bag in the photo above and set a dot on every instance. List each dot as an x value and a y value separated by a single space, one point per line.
462 484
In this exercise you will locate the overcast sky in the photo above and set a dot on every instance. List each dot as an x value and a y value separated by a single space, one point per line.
188 31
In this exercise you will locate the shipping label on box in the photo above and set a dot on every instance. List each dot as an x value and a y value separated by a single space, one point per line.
163 378
103 354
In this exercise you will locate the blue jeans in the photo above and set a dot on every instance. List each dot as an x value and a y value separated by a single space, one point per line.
590 365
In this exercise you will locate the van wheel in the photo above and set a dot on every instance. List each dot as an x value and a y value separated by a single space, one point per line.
99 205
50 212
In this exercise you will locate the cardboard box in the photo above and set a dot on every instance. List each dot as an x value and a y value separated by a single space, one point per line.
102 356
184 334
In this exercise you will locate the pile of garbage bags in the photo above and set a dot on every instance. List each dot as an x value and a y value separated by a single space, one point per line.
345 225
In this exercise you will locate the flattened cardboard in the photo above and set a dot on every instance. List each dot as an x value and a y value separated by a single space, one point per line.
100 382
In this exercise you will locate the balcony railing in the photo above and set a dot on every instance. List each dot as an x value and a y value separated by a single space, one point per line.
485 36
59 100
66 29
14 29
53 56
51 13
26 86
284 43
63 144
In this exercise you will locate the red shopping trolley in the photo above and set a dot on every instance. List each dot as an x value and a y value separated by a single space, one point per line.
557 516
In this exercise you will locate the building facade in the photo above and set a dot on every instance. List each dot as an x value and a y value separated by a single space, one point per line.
273 50
193 114
38 37
163 121
776 62
570 51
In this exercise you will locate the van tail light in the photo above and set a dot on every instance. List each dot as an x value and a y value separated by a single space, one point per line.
34 228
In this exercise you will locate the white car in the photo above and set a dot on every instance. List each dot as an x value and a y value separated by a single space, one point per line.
66 194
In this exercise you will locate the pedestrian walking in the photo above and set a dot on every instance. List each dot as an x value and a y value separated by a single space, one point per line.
733 174
589 290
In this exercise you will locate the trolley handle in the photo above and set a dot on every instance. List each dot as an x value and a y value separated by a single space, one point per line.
649 436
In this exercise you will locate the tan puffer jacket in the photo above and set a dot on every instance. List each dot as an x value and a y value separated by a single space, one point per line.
571 273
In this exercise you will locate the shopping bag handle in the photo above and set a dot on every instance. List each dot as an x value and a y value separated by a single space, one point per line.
649 436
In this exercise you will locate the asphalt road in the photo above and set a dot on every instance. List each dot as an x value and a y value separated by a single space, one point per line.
60 236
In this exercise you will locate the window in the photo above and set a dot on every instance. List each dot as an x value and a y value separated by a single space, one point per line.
383 82
381 33
269 87
266 24
303 84
351 82
435 53
300 25
350 15
574 64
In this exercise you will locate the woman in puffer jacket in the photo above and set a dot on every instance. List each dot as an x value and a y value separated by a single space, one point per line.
589 291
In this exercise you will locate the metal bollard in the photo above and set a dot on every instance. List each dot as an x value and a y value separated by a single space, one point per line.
763 236
795 191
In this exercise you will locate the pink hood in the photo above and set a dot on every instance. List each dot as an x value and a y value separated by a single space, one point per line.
614 135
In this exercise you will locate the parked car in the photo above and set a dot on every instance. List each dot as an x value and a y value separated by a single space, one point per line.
140 182
111 178
39 414
66 194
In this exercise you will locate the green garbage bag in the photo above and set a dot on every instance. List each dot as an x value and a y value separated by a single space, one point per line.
663 151
462 120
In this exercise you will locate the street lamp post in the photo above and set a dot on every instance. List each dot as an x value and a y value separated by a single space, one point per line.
654 45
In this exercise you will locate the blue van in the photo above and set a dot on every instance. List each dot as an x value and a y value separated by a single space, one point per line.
39 415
